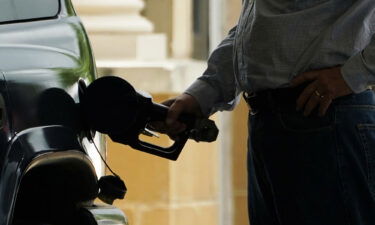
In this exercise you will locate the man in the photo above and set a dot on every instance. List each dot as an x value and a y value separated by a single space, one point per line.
305 68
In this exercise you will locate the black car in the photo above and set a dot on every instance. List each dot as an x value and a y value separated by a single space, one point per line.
46 176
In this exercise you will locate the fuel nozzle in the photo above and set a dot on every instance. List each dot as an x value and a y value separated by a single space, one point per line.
112 106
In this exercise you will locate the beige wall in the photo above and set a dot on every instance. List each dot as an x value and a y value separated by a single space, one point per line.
239 153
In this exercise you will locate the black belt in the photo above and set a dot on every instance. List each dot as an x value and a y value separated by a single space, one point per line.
281 99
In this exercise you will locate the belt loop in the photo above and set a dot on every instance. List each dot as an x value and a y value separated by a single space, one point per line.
248 96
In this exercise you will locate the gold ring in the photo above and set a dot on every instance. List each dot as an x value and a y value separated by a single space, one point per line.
318 94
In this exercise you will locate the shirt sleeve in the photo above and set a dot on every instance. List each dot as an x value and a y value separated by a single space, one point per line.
216 89
359 70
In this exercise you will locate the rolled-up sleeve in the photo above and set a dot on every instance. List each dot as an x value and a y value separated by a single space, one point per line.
216 89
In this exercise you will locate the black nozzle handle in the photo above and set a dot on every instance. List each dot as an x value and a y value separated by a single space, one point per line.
170 153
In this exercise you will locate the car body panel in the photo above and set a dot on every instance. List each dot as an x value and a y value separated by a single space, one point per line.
41 63
24 151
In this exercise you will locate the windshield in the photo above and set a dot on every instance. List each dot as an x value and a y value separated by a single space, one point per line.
20 10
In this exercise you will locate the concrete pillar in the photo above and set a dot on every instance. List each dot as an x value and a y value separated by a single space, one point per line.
176 23
118 31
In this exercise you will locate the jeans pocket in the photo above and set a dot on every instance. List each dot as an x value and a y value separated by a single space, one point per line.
297 122
367 135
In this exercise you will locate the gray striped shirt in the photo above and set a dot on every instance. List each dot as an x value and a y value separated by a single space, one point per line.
275 40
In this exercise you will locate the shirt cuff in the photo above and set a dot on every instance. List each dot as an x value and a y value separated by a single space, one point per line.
205 94
356 74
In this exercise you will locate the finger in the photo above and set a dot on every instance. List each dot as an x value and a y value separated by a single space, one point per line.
324 105
174 112
304 77
305 95
176 129
169 102
157 126
314 100
174 137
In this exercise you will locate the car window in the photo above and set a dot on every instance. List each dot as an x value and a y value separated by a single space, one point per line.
16 10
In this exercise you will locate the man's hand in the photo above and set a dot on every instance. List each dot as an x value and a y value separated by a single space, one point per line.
325 86
181 104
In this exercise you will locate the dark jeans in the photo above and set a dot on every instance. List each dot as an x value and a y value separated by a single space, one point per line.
313 170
